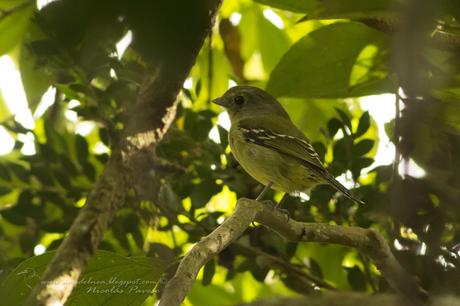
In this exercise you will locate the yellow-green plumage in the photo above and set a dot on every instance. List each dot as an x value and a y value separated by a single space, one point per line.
269 146
267 165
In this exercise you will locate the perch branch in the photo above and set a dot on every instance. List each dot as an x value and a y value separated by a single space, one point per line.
352 299
205 249
367 241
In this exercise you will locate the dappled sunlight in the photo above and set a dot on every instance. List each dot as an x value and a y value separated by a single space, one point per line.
115 162
13 92
273 18
16 102
123 44
46 101
382 110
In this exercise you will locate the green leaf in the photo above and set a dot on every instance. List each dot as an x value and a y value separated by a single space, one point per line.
161 251
4 111
109 279
19 171
342 152
359 164
223 136
35 80
363 125
315 268
138 237
344 117
198 124
333 126
201 295
363 147
310 116
170 198
351 9
320 148
120 235
321 63
291 5
89 170
4 173
34 75
356 279
329 258
43 174
208 272
82 149
260 35
4 190
202 192
13 25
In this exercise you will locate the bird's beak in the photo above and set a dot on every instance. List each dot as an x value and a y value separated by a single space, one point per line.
219 101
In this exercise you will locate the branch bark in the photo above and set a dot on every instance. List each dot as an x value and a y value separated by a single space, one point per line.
177 288
353 299
129 168
367 241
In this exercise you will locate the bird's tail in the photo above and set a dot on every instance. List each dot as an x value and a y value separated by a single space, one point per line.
339 187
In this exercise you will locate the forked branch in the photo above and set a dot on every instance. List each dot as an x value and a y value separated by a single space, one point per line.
367 241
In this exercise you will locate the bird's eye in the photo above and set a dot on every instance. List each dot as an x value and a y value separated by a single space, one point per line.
239 100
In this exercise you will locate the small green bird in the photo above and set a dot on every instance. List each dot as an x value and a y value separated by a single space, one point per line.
270 147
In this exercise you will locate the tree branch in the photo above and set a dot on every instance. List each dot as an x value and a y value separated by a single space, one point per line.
129 168
177 288
367 241
352 299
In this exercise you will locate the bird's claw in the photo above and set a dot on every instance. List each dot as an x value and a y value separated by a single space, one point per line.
285 212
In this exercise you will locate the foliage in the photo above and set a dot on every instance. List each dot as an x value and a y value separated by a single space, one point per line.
316 65
108 274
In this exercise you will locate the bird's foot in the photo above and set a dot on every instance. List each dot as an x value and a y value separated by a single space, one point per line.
269 203
277 207
285 212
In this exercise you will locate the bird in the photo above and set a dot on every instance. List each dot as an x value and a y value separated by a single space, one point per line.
269 147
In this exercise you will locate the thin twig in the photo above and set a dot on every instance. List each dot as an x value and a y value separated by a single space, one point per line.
287 267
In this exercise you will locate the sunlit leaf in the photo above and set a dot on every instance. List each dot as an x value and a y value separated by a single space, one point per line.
291 5
263 37
363 125
356 279
335 49
13 25
363 147
208 272
351 9
4 111
109 279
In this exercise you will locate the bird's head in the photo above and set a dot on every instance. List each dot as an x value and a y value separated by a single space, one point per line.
244 102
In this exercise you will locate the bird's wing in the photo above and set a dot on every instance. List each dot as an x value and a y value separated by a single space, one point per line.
283 137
